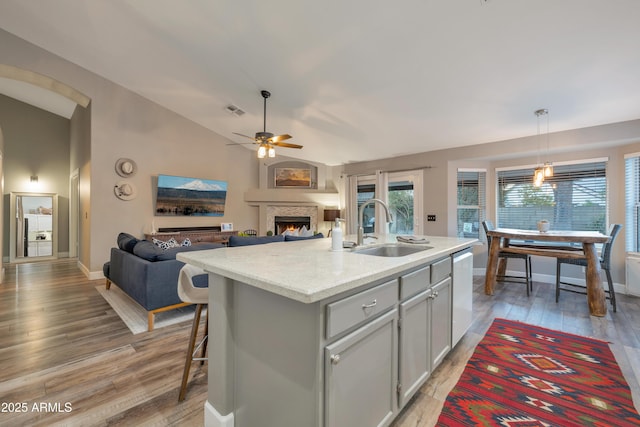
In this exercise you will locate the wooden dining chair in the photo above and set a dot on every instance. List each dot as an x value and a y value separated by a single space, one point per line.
605 264
527 280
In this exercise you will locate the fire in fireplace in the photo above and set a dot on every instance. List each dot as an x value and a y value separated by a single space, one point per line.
291 223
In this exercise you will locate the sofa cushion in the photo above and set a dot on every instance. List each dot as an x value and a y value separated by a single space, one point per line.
248 241
126 242
171 253
147 250
289 238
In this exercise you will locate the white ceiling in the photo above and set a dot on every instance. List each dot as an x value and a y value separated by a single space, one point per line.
359 79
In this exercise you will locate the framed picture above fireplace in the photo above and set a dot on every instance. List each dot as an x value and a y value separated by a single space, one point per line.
292 178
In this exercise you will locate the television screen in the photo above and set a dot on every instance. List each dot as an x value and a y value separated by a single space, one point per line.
181 196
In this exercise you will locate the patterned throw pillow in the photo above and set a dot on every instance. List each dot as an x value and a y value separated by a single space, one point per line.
186 242
171 243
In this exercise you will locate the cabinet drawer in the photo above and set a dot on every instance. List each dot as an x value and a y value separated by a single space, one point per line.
440 270
343 314
414 282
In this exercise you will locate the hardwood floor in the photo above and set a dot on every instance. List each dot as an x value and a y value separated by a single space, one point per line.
64 350
510 301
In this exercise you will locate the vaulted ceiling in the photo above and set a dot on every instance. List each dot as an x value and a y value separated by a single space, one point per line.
360 79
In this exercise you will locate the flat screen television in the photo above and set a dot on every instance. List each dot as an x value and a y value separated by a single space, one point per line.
182 196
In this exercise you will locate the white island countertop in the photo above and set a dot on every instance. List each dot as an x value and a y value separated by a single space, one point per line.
308 271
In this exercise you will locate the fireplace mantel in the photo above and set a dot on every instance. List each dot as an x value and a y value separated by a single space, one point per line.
256 196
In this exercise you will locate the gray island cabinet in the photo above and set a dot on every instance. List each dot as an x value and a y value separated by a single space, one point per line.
303 336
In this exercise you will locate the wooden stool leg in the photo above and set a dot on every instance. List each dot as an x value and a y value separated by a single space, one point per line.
192 344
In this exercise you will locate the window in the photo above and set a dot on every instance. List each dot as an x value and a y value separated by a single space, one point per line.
367 190
471 202
404 203
632 202
574 198
399 190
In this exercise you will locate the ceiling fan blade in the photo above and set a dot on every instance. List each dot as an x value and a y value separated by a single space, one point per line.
279 138
286 145
242 143
246 136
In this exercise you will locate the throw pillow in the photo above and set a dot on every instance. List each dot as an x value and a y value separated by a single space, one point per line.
171 243
186 242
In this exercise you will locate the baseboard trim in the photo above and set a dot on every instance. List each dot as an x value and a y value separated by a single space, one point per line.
620 288
91 275
212 418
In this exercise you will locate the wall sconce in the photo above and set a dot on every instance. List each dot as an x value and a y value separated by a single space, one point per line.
331 215
34 179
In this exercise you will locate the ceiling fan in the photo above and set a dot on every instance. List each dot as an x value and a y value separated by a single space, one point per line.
267 140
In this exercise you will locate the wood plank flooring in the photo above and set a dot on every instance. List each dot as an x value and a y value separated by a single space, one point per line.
64 350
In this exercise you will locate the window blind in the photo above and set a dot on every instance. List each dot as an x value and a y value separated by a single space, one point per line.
471 203
632 202
574 198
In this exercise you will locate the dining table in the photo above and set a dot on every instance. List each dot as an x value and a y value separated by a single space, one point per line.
552 243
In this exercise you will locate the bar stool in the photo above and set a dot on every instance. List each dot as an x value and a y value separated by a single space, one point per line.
190 293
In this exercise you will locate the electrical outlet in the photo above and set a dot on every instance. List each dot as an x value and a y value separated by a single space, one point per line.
431 217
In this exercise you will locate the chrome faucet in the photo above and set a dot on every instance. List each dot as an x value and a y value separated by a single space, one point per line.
361 215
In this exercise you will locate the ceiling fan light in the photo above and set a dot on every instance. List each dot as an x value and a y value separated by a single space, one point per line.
272 152
262 152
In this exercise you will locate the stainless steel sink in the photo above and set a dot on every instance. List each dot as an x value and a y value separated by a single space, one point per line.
391 250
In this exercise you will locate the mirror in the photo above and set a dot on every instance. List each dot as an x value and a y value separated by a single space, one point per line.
33 226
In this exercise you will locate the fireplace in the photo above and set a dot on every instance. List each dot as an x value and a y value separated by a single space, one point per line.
291 223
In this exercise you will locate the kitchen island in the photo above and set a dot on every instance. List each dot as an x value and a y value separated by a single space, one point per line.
303 336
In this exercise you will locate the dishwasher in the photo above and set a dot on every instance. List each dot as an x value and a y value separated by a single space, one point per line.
462 300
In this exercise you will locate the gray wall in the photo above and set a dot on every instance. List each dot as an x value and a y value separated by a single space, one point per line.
440 176
80 164
123 124
36 143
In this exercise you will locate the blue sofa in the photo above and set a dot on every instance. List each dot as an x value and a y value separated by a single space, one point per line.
148 274
247 240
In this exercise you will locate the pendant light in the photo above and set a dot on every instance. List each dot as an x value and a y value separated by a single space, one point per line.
548 166
546 170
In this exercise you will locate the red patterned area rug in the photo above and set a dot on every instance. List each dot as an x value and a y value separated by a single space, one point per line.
523 376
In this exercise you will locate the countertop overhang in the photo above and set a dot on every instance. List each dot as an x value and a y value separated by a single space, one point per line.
308 271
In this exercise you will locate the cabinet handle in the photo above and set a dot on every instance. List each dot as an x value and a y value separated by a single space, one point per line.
335 359
370 305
